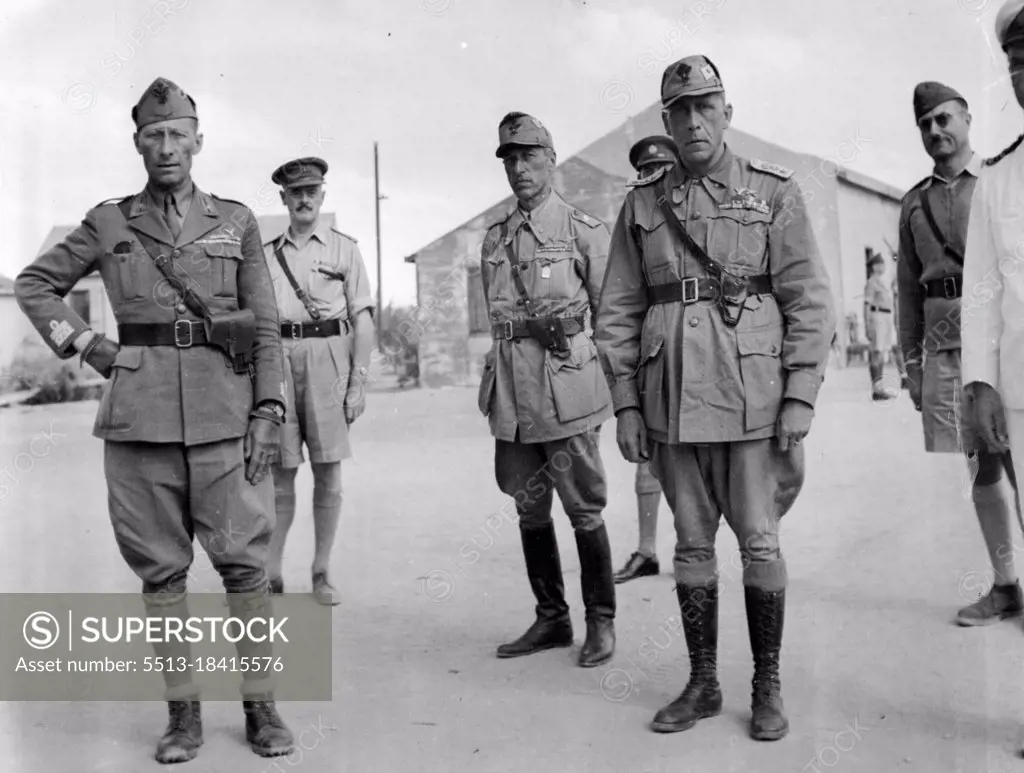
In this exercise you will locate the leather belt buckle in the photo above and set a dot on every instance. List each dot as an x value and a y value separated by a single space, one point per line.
179 326
690 290
949 287
507 331
296 330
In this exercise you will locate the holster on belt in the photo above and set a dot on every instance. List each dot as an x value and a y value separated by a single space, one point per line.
550 333
234 333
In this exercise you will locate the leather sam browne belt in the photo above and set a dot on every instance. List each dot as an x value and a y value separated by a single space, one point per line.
325 329
514 329
693 289
183 334
948 287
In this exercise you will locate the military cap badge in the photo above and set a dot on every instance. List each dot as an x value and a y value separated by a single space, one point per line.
161 92
684 73
708 72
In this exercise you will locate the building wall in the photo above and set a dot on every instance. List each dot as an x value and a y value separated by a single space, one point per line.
865 220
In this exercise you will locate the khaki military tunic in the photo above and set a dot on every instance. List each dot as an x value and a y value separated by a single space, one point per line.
530 393
695 379
330 270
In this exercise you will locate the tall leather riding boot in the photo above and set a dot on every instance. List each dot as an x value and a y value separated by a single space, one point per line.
552 626
702 696
184 734
765 615
598 585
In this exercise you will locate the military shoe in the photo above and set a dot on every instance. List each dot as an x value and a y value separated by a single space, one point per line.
265 730
638 565
1001 602
184 734
542 635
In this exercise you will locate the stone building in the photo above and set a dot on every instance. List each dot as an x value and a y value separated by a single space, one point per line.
851 215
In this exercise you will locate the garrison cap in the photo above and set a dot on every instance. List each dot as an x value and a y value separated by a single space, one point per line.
301 171
524 130
1009 24
691 76
164 100
930 94
656 149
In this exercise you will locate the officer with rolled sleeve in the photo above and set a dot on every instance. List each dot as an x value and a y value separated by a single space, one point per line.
714 328
192 413
647 157
542 389
326 311
935 223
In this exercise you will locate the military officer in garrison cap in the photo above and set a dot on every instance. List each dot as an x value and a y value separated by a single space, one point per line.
542 391
714 330
648 156
992 313
933 231
326 310
191 417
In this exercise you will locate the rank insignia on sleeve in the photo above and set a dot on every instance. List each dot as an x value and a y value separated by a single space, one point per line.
773 169
60 331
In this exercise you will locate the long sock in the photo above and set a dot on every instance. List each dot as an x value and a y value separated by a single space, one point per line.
647 514
327 497
284 510
993 509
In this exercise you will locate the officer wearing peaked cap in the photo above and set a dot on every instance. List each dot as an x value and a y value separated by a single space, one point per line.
326 311
935 222
542 391
191 418
651 157
714 370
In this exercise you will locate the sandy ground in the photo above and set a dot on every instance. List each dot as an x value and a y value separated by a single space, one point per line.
882 549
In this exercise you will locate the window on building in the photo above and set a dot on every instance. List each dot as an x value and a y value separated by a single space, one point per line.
478 321
79 302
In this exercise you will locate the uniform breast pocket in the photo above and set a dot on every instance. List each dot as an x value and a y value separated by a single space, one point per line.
659 252
223 261
552 273
327 284
128 269
498 275
739 237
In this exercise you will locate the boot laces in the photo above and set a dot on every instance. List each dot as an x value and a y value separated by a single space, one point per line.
266 713
180 716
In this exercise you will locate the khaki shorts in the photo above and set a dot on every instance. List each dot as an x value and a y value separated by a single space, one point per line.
316 377
881 325
941 388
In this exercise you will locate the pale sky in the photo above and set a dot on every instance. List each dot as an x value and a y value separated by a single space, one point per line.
430 79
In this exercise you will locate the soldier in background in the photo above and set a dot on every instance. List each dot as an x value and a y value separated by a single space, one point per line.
326 311
878 326
713 329
542 390
190 421
934 222
647 156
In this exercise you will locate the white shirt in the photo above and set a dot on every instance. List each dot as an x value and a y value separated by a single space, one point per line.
992 304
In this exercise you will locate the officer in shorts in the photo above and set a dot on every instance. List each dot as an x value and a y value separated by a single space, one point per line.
326 310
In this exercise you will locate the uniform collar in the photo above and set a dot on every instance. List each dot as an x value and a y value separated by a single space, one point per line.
153 199
973 168
320 233
542 221
720 173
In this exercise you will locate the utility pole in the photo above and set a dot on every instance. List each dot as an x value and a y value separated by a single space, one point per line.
377 199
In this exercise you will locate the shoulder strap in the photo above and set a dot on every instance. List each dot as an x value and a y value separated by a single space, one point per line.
709 264
926 207
301 294
516 268
195 304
